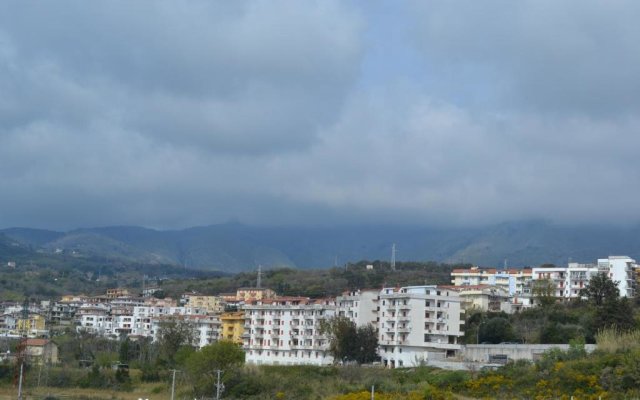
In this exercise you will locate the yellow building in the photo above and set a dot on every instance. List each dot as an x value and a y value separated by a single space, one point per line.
73 298
232 326
117 292
33 325
252 294
212 304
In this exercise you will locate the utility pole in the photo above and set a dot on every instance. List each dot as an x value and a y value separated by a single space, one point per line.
373 394
393 257
173 385
20 382
219 385
259 280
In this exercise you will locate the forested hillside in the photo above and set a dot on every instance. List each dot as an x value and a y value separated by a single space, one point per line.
235 247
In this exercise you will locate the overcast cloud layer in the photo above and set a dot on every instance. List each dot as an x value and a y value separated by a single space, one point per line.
171 114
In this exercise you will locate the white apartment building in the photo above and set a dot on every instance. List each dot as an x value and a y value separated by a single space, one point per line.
515 280
569 281
360 306
206 328
99 323
286 331
621 269
484 298
144 321
419 323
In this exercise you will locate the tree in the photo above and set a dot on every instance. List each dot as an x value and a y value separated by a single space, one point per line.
202 365
544 292
614 313
600 290
173 334
350 343
367 339
610 310
124 351
342 334
496 330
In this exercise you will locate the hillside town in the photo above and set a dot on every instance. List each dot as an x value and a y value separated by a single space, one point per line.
422 324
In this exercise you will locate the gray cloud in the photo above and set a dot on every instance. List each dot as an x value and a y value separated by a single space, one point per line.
173 114
238 76
543 56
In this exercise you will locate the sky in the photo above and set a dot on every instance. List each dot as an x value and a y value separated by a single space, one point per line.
170 114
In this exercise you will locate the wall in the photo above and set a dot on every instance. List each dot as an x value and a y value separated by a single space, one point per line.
481 352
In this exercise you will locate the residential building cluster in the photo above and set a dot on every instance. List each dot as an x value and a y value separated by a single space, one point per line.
565 282
414 324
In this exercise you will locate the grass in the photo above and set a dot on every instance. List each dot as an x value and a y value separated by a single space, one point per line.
144 391
613 340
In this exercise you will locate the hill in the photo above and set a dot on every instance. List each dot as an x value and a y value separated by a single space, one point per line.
235 247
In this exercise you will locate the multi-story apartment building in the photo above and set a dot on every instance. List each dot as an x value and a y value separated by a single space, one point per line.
419 323
63 312
232 326
124 305
568 282
286 331
621 269
117 292
34 325
211 304
484 298
516 281
360 306
206 329
99 323
249 295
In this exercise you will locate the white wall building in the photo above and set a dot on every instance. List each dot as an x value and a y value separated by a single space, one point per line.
569 281
360 306
515 280
621 269
419 323
286 331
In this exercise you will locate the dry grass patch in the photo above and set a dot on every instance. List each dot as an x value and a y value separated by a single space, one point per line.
613 340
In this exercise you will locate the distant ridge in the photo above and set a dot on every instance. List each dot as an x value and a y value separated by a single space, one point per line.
235 247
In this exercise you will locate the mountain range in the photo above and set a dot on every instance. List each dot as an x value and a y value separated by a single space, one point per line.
235 247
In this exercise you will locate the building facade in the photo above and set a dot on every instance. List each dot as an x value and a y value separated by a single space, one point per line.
286 331
419 323
360 306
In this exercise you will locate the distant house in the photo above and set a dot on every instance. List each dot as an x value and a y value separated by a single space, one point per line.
117 292
41 351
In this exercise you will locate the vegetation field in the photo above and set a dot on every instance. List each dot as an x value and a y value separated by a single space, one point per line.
611 372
